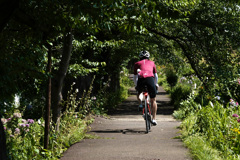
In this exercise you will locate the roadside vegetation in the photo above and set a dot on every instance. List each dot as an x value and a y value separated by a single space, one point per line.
25 136
62 61
210 120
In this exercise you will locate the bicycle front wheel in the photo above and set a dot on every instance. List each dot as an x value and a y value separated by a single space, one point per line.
146 117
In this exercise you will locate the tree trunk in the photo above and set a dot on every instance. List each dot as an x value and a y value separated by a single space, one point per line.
3 146
59 79
48 103
115 82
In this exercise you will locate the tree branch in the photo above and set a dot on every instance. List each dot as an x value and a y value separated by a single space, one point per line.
179 42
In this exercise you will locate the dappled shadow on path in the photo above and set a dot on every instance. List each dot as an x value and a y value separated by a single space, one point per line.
133 92
130 105
162 93
132 131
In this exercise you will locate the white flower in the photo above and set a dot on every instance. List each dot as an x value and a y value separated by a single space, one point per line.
211 103
39 121
17 131
4 121
17 115
195 85
218 97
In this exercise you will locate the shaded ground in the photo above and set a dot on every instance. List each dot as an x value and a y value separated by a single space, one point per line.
122 136
128 107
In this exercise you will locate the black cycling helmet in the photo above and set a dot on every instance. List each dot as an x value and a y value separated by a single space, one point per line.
144 54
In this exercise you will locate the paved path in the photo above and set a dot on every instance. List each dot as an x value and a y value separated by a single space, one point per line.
122 136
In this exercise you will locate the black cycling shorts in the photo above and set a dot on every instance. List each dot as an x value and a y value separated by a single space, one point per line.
149 82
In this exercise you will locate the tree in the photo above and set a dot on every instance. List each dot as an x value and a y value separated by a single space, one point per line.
82 33
204 33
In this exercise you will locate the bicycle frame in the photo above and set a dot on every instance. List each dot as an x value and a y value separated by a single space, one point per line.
147 111
146 96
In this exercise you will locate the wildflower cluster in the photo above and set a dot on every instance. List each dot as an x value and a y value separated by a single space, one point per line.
233 103
236 115
236 130
238 80
182 79
15 125
186 80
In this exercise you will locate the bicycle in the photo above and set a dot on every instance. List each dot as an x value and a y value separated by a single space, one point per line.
147 110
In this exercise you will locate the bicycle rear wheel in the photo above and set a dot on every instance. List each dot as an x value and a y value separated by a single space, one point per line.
146 117
149 116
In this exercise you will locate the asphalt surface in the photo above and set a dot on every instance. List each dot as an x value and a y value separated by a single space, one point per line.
122 136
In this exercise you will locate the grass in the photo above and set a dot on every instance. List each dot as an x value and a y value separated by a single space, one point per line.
200 149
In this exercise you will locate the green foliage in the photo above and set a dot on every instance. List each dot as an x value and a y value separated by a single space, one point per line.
171 76
180 93
207 46
117 97
183 89
79 69
187 107
22 70
200 148
107 35
124 78
214 123
106 101
25 136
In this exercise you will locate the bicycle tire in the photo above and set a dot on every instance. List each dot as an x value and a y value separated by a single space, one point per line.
149 121
146 117
149 116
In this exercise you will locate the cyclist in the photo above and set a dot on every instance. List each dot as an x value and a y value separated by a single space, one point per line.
145 73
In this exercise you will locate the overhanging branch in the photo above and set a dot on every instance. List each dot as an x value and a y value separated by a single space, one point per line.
181 42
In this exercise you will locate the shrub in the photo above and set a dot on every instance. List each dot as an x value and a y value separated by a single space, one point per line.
217 125
25 136
106 101
171 77
180 93
187 107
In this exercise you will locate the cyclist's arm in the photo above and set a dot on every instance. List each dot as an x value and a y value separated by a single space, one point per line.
135 79
156 79
155 75
135 76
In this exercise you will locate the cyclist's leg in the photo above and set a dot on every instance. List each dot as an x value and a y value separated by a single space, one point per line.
140 84
139 100
152 93
154 108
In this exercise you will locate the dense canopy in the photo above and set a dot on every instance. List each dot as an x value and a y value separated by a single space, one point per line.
93 37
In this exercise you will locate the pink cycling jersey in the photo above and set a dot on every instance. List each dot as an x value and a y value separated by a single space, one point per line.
147 67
